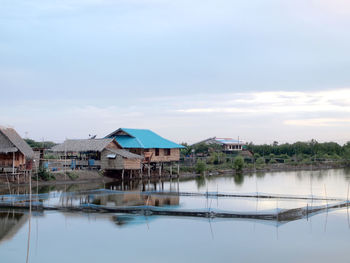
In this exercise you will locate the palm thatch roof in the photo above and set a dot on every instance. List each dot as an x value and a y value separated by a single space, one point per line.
10 142
86 145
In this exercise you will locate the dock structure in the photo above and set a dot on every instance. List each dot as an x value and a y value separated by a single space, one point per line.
158 153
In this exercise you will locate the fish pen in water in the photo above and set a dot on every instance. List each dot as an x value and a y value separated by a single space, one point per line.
86 202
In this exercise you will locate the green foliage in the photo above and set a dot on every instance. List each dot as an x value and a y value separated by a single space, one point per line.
217 158
256 156
35 144
272 161
72 175
238 163
200 167
45 175
186 169
309 148
201 148
187 150
260 161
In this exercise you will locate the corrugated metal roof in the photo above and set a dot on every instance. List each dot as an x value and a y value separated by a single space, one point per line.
86 145
228 141
10 141
126 154
142 138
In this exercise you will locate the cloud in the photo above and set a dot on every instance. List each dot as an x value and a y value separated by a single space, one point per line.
320 122
254 116
280 102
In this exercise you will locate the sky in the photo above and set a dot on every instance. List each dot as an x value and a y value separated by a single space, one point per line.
261 70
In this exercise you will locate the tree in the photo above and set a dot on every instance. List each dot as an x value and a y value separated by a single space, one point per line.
200 167
187 150
34 144
238 163
201 148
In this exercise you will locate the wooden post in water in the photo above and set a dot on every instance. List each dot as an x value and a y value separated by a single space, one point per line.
123 175
171 169
149 170
178 169
13 163
160 169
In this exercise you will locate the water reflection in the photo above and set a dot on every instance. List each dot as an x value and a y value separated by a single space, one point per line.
11 222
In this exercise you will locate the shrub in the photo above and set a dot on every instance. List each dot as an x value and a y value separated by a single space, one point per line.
44 175
238 163
272 161
72 175
260 161
200 167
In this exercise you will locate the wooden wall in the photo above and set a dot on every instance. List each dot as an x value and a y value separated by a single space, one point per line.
173 157
7 159
119 163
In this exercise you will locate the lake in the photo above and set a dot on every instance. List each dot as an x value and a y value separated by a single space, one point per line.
59 236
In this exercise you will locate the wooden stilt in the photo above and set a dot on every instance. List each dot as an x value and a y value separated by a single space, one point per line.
171 169
160 170
123 175
13 163
149 170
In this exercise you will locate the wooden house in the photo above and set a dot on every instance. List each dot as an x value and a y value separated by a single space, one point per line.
154 148
105 154
15 154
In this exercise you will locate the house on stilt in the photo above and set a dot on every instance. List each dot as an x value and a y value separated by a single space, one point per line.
96 154
155 149
16 156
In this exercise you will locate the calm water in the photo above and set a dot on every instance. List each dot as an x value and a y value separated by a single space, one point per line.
82 237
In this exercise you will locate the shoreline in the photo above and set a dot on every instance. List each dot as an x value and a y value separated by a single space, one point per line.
94 177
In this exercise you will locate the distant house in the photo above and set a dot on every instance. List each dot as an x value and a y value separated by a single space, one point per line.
153 147
228 144
16 156
105 154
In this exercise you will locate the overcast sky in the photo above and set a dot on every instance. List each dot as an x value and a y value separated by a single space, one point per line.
263 70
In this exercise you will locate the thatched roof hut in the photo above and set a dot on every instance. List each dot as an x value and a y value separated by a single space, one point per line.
86 145
11 142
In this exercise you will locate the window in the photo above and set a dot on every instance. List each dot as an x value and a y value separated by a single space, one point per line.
157 152
167 152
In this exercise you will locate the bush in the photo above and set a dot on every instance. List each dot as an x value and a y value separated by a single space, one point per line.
238 163
72 175
272 161
260 161
45 175
200 167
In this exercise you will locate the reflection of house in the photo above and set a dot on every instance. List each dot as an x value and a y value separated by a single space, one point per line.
135 199
10 223
153 147
15 154
228 144
103 154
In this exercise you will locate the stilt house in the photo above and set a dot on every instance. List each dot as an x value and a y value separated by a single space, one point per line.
15 154
105 154
154 148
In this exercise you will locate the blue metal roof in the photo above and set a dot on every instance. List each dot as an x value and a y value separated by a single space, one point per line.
228 141
141 138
